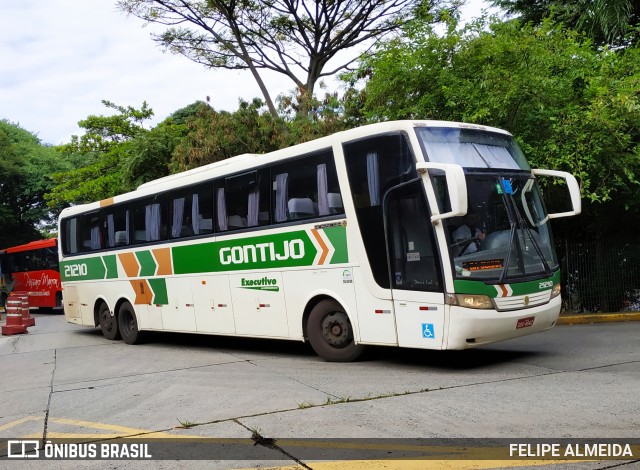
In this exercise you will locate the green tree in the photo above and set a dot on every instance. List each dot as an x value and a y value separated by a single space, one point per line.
571 106
25 168
98 156
148 156
325 117
213 135
301 41
604 21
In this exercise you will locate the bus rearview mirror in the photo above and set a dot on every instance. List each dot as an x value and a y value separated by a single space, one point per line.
456 187
572 186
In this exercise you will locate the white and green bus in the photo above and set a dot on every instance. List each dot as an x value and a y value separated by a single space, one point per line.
354 239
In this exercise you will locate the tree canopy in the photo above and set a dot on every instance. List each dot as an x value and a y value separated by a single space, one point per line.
302 41
98 155
603 21
572 101
25 169
571 107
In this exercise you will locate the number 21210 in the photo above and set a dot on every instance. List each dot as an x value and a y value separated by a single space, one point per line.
75 270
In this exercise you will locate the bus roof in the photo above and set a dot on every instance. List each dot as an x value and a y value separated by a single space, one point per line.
248 161
48 243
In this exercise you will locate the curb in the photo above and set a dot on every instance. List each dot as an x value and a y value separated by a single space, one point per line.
597 318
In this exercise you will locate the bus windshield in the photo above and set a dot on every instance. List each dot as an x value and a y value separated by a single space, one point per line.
471 148
505 235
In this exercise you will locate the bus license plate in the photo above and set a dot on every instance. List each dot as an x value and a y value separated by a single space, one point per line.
525 322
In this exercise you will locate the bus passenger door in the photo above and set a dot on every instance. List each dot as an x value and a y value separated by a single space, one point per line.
416 277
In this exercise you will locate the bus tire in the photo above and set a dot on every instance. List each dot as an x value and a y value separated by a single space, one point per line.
330 333
108 322
128 324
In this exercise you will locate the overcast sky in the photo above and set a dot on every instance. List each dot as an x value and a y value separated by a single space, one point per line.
60 58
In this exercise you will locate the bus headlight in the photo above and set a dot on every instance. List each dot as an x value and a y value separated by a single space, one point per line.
555 292
470 300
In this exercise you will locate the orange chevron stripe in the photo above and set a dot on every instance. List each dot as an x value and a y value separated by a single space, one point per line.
130 264
325 249
505 292
144 294
163 258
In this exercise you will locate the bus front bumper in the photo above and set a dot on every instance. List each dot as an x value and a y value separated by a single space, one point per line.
469 328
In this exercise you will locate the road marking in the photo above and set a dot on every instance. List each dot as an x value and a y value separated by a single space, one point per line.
115 430
422 464
468 454
17 422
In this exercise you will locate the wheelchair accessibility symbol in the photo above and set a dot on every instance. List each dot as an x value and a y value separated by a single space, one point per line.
428 331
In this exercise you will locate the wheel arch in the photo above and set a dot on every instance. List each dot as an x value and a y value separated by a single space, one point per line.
122 300
96 310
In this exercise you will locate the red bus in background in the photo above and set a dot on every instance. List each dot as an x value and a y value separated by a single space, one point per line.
32 268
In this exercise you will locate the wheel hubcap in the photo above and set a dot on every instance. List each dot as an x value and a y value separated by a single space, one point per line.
335 329
106 321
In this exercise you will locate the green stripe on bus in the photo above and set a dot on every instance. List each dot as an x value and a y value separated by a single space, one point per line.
274 251
159 288
111 262
338 238
86 269
147 263
518 288
473 287
531 287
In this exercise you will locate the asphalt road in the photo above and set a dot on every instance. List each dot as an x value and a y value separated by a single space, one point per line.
64 381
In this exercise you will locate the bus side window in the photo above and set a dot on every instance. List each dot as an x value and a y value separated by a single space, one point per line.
90 235
191 212
243 201
70 235
258 202
149 220
202 209
306 188
117 224
51 257
374 165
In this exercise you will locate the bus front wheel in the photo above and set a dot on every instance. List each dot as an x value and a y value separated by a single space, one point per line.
108 323
128 324
331 334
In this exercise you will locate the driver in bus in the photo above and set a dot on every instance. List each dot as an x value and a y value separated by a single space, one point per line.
468 232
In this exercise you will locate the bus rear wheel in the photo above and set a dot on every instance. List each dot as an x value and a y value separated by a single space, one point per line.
108 323
128 324
331 334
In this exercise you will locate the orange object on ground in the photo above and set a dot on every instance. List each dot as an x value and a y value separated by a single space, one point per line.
14 323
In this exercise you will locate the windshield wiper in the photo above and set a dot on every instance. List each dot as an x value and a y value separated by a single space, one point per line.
512 234
529 232
514 213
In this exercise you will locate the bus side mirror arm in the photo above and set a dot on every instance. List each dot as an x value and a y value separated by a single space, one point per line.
574 191
456 186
